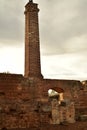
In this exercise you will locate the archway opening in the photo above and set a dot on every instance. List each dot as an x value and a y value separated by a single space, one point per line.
55 97
56 93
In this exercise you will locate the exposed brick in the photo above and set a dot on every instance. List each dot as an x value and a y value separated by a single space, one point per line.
24 100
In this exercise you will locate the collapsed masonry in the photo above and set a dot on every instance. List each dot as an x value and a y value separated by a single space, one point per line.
25 101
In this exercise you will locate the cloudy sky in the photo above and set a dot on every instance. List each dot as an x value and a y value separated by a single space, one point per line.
63 37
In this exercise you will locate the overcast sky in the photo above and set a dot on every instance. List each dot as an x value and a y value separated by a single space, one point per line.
63 37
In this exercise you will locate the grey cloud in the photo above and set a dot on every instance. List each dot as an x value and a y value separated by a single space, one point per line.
11 22
62 32
60 22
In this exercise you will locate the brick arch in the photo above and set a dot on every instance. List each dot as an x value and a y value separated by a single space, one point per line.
57 89
44 91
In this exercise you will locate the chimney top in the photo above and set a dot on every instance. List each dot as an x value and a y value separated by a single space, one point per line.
31 1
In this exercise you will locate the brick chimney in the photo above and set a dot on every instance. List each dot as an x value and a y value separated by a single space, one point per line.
32 47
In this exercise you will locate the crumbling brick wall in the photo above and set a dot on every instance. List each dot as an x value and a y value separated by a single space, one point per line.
24 102
17 102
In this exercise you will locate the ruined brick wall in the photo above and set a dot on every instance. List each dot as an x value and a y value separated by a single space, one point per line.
82 100
24 102
17 102
60 85
73 91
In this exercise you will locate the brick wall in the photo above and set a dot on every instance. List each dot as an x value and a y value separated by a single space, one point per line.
24 102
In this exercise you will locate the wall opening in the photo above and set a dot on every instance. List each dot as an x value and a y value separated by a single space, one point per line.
61 110
52 93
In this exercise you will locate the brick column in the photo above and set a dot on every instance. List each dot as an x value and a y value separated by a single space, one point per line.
32 47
